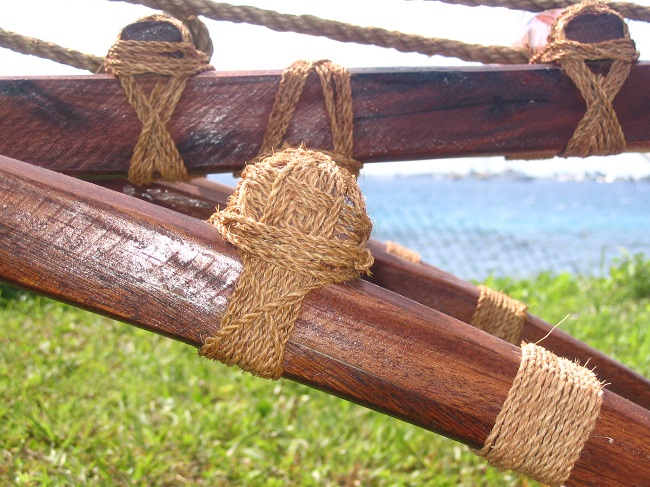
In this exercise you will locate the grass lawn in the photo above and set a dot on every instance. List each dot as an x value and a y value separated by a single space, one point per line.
89 401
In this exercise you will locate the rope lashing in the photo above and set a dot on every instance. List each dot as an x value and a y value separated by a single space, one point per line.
311 25
155 152
599 132
340 31
199 32
500 315
546 419
629 10
405 253
299 222
337 91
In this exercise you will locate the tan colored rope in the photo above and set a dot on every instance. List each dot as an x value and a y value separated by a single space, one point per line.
49 50
311 25
546 419
500 315
70 57
299 222
630 10
337 91
199 33
403 252
599 132
155 152
340 31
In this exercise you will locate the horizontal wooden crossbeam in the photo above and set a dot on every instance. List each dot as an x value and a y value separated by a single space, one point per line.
83 125
173 274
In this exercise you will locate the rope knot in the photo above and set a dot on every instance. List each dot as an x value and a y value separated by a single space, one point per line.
599 132
155 150
299 222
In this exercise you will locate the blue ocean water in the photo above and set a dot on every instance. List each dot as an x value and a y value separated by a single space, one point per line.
506 226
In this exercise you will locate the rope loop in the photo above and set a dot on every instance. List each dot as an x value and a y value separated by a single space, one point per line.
155 150
299 222
599 132
337 91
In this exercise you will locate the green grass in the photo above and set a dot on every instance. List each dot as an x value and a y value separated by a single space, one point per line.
88 401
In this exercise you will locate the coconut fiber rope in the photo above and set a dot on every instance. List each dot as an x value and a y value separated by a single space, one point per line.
299 222
155 153
630 10
339 31
546 419
337 91
599 132
405 253
499 315
311 25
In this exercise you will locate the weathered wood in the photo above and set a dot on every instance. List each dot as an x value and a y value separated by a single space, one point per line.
173 274
83 125
422 283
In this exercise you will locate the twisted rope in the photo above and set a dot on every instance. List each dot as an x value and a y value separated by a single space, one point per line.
49 50
628 10
340 31
405 253
299 222
311 25
599 132
546 419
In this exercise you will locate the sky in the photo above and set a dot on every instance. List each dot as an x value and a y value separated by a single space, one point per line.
92 25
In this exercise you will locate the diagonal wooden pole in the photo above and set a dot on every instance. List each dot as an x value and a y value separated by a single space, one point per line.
421 282
173 274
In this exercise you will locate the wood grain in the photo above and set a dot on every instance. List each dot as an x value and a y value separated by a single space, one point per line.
82 125
173 274
422 283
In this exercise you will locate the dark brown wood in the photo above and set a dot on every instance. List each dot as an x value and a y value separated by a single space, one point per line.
83 125
149 30
173 274
592 28
422 283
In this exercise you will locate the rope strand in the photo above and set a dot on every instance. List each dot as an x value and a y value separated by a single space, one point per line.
628 10
340 31
311 25
49 50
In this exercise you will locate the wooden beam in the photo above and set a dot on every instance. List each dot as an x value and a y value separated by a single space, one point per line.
173 274
82 125
422 283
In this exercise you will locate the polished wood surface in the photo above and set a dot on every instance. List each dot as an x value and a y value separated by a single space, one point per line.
173 274
423 283
83 125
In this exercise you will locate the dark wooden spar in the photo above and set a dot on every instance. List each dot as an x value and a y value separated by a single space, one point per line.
173 274
423 283
83 125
